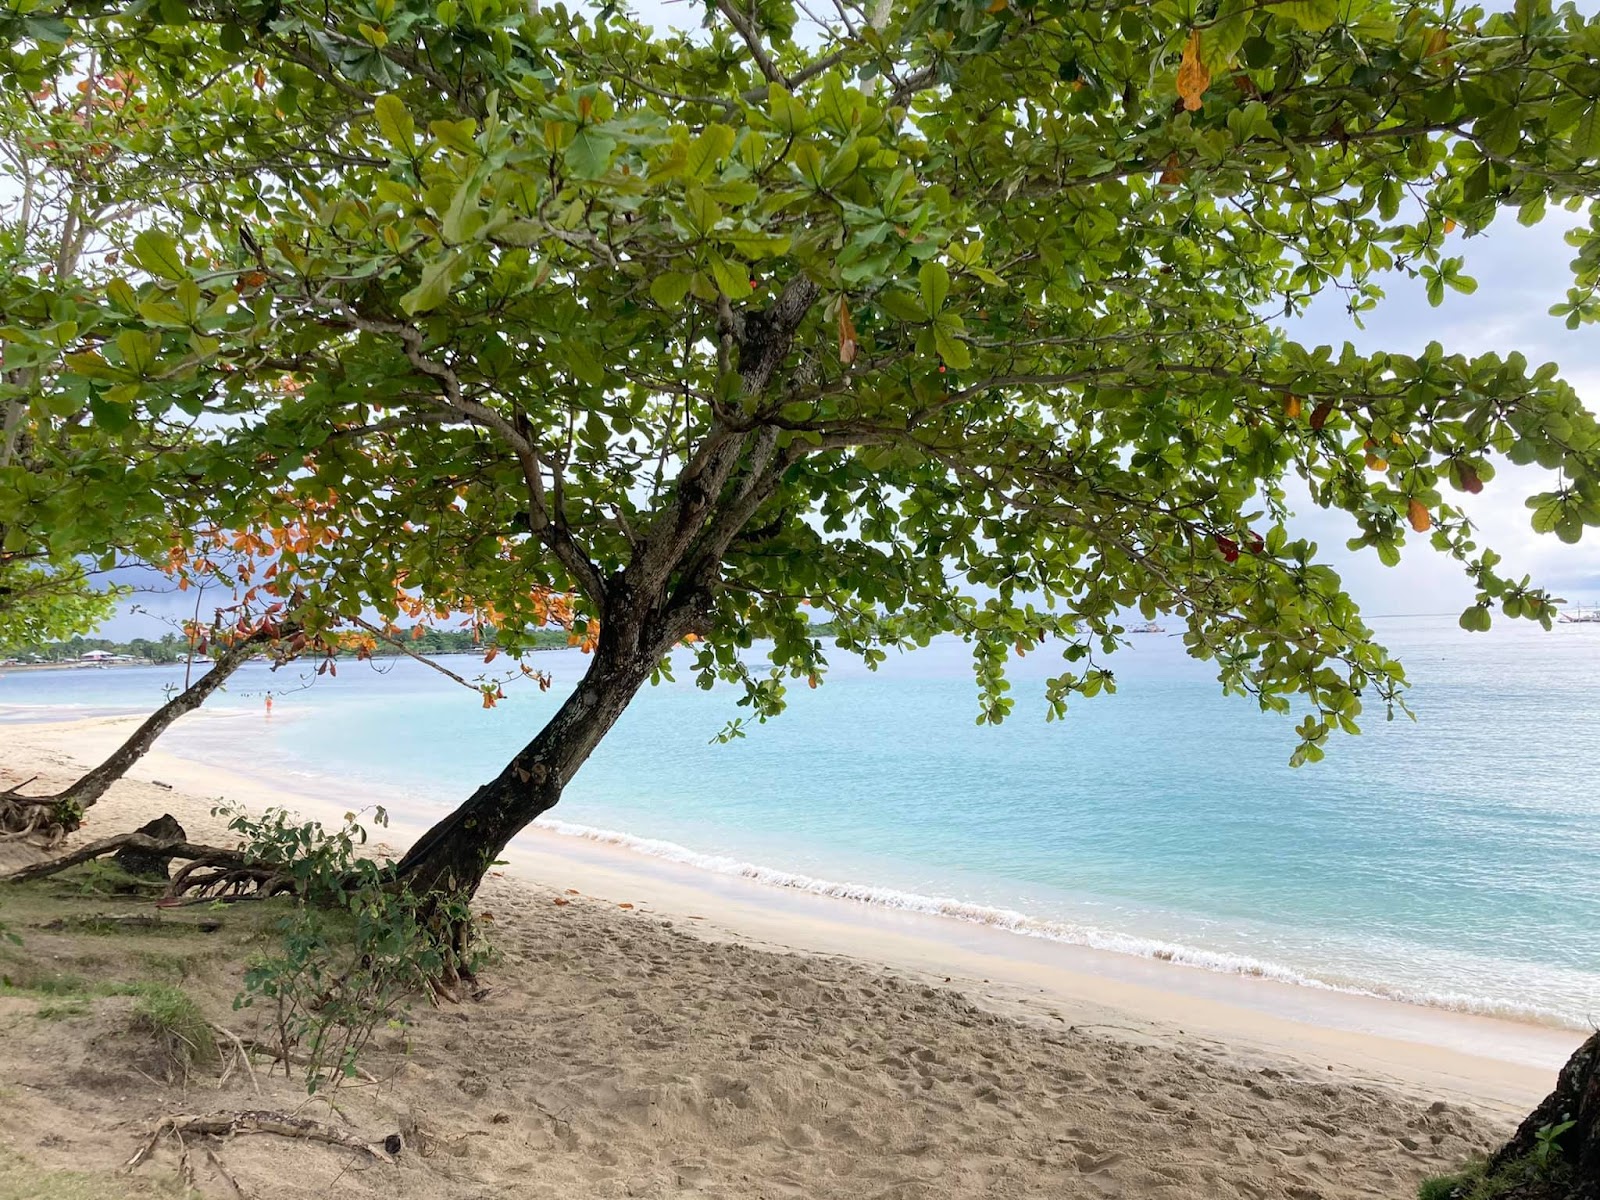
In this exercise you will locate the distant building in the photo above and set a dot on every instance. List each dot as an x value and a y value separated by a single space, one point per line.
96 656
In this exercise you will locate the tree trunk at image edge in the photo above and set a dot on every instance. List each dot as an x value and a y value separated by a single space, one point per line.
453 856
69 805
1571 1169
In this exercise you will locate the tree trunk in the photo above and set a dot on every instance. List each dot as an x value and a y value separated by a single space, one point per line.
1570 1169
453 856
67 807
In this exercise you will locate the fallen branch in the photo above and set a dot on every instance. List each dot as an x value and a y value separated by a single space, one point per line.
276 1123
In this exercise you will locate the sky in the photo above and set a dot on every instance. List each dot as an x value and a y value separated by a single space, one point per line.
1520 271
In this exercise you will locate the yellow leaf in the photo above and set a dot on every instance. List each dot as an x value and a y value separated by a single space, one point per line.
1449 224
998 6
1292 406
1421 518
1193 77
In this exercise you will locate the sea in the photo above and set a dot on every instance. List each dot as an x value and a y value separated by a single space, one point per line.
1452 861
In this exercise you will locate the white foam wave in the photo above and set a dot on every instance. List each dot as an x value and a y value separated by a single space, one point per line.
1070 933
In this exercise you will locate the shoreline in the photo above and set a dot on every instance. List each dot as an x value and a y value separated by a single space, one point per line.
1503 1064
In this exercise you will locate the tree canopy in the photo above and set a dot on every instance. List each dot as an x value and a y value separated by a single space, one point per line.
948 316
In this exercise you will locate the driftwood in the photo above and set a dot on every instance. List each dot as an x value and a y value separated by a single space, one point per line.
280 1124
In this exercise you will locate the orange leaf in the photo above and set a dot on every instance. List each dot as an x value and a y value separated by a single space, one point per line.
997 6
1449 224
559 900
494 652
624 905
1320 414
1292 406
1421 518
1173 174
1374 463
847 332
1193 77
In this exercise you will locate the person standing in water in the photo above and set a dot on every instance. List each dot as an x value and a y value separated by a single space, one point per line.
269 704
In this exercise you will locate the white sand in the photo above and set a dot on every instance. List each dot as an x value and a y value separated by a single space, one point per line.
897 1055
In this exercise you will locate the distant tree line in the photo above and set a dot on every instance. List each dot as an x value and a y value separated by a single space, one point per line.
173 648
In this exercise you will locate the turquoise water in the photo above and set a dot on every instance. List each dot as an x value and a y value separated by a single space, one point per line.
1455 860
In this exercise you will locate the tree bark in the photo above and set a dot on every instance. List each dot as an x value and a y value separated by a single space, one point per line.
1573 1169
453 856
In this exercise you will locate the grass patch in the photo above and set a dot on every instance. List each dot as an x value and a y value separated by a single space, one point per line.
1473 1182
20 1179
180 1028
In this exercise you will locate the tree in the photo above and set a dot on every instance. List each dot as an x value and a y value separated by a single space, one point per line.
68 195
937 317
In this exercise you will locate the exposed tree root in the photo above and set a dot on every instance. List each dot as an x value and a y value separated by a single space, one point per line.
30 818
226 1125
210 873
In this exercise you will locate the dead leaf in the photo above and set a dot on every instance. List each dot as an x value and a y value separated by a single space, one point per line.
848 345
1421 518
1193 77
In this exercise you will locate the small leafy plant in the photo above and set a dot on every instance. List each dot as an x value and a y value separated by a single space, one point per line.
353 948
1545 1146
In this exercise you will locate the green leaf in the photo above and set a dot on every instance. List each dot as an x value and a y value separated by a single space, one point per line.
460 136
157 252
732 279
707 150
1221 40
585 367
439 278
138 350
669 289
394 122
935 285
1476 619
589 153
1315 15
951 349
902 305
1586 135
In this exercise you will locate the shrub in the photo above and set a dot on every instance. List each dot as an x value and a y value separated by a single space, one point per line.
352 949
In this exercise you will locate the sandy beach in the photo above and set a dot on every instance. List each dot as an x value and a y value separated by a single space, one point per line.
654 1030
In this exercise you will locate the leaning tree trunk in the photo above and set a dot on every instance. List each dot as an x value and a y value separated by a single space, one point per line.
1570 1170
52 817
452 857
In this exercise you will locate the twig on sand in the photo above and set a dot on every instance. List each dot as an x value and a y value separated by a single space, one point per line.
216 1165
243 1056
277 1123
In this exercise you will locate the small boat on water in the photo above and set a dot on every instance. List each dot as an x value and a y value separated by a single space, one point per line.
1580 615
1147 627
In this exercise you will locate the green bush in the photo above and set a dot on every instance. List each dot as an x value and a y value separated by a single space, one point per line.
352 949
